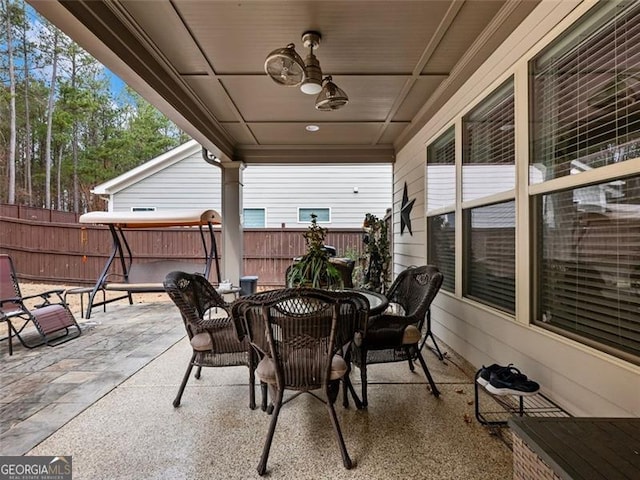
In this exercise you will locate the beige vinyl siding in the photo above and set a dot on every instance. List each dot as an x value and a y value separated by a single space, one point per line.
583 380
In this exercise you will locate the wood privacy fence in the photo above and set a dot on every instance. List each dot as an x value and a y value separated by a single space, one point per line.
49 246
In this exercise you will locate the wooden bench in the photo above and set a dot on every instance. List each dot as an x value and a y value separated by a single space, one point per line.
576 448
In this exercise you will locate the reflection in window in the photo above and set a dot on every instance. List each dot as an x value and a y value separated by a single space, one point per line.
441 171
586 95
488 159
322 214
589 277
490 255
441 247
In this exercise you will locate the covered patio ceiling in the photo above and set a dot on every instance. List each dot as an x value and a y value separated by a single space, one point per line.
202 64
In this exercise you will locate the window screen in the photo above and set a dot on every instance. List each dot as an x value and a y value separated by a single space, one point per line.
490 255
589 278
586 95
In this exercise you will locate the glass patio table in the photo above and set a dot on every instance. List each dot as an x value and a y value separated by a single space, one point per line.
378 303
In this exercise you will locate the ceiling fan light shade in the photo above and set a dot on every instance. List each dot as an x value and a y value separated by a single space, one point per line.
312 83
285 66
331 97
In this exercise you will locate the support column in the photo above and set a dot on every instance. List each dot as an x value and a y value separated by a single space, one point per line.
232 237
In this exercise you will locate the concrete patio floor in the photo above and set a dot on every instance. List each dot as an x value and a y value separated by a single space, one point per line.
106 399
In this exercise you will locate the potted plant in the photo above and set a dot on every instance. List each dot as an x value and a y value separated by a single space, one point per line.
313 269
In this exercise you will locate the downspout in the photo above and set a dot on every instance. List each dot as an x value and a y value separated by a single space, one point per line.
210 158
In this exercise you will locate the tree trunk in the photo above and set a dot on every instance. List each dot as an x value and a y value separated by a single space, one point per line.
74 138
11 193
27 115
47 155
59 178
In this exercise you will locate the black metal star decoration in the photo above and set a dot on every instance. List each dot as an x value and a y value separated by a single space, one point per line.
405 211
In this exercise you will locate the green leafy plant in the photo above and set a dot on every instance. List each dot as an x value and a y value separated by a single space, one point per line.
377 254
313 269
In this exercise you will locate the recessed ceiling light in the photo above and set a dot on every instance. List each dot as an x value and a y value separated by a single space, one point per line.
312 128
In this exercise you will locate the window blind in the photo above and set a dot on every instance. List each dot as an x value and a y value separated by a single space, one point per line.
441 171
490 255
488 159
586 95
441 250
589 277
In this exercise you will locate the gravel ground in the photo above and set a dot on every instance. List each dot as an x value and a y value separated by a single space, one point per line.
74 300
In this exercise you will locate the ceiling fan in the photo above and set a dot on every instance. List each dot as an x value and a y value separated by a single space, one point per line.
286 67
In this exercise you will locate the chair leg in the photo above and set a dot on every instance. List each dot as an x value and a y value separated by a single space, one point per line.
262 466
331 391
252 388
265 396
347 385
363 379
434 389
198 371
430 334
9 327
185 378
408 354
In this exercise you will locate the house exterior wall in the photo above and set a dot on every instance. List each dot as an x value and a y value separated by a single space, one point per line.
585 381
189 183
279 189
282 189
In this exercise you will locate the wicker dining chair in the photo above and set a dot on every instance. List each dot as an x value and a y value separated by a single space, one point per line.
300 336
400 334
210 329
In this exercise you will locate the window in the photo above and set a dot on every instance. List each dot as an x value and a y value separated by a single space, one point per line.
441 194
488 151
441 250
589 277
585 108
323 215
586 95
143 209
490 262
488 168
253 217
441 171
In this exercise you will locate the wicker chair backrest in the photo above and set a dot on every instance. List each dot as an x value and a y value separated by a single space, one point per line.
301 329
194 296
414 289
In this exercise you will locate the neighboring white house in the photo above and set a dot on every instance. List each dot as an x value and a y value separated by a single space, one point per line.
273 195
